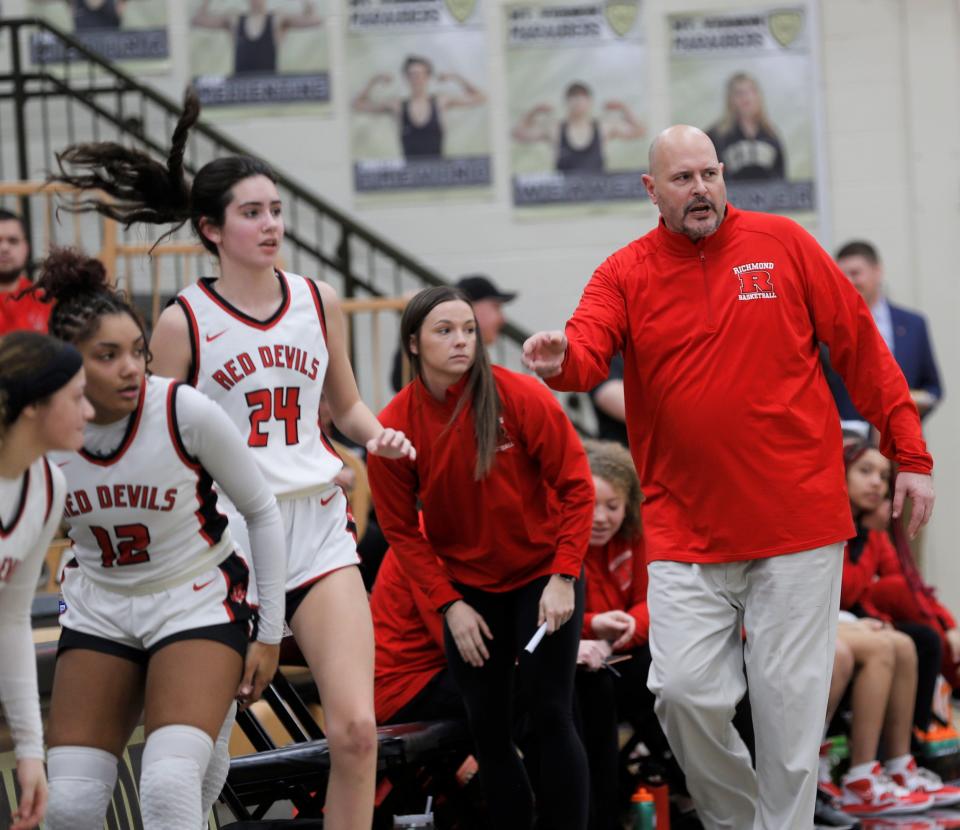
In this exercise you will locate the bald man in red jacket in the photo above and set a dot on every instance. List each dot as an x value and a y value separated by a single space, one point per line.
718 314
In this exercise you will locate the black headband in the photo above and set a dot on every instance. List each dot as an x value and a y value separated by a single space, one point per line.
23 391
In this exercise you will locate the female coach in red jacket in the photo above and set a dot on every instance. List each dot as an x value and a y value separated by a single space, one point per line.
507 502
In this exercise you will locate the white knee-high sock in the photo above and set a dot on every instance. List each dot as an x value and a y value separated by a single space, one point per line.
175 760
218 767
81 786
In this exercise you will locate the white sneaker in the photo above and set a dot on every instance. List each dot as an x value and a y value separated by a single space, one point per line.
876 794
919 780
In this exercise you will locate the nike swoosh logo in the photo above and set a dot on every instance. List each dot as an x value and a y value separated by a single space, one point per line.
325 502
201 587
212 337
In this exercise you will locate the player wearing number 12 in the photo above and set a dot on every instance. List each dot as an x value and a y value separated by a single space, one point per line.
265 344
155 617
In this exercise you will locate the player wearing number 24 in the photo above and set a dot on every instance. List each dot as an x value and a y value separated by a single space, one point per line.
234 207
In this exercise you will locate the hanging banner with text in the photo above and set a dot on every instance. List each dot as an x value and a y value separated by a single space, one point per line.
577 103
747 79
418 97
260 57
132 33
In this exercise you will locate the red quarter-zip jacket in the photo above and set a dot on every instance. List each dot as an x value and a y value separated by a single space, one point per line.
27 313
731 423
408 634
616 580
530 516
877 583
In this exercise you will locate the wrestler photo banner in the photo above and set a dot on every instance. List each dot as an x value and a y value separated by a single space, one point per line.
419 98
260 57
577 107
132 33
747 78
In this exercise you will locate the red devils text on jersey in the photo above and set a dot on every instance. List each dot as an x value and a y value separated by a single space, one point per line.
145 516
268 376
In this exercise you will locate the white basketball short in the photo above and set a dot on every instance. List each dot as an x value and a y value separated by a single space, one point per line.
321 538
212 606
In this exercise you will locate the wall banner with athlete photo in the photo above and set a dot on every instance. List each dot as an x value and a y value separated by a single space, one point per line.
259 57
577 109
132 33
747 78
417 79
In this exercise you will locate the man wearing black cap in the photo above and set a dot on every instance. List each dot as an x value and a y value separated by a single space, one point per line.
488 302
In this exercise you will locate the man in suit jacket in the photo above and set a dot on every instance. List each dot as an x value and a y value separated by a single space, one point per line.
904 331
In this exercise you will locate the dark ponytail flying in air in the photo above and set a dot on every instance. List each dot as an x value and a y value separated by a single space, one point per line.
146 190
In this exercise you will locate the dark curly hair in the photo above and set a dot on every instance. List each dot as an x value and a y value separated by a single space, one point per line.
81 292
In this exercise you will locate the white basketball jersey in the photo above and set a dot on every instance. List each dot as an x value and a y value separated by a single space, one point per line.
268 376
40 493
146 515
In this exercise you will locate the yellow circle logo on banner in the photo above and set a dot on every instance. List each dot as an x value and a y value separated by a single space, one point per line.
785 26
621 15
461 9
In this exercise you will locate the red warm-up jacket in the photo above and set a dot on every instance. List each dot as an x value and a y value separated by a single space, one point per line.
26 313
616 580
875 581
408 633
529 516
731 423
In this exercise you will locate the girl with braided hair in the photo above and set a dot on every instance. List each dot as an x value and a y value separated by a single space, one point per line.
42 408
154 616
264 344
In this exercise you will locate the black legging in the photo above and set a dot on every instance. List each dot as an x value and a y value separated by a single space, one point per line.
603 701
439 700
561 781
929 658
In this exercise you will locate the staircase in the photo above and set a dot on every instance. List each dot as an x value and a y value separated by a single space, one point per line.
46 105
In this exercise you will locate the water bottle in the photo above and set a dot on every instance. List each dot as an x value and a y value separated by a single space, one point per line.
658 789
643 812
421 821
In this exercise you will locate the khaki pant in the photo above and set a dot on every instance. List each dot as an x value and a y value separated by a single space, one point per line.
788 605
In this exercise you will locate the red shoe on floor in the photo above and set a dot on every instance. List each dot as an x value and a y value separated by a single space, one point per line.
824 773
875 794
919 780
824 777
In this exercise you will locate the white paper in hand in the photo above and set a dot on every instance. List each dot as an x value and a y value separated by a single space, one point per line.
536 638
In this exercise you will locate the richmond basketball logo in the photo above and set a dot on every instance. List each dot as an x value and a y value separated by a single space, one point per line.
756 282
504 441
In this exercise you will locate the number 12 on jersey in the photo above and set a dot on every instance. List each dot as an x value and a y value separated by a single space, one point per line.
130 549
280 404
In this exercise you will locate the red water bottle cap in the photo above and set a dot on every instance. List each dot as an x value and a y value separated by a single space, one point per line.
642 794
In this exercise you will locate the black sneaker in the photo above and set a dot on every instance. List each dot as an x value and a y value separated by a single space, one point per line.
826 815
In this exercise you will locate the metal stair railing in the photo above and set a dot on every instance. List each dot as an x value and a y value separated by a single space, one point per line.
46 104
